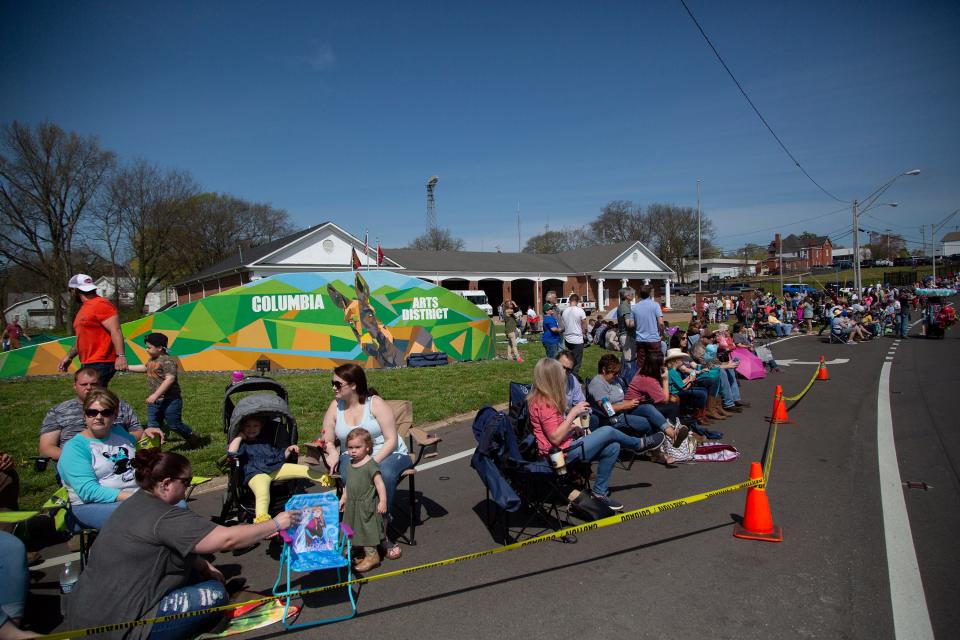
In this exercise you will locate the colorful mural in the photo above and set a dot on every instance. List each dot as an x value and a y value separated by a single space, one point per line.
299 321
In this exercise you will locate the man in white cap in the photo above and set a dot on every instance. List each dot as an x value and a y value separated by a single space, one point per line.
99 340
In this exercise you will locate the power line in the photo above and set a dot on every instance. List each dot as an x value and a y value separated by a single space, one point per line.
754 107
780 226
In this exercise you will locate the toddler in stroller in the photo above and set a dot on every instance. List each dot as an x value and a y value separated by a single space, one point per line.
262 449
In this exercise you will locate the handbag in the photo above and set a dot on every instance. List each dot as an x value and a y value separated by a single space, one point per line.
684 453
763 353
588 508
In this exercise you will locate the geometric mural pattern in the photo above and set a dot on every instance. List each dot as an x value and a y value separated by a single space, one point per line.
299 321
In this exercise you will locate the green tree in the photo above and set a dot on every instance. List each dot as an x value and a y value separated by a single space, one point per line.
436 239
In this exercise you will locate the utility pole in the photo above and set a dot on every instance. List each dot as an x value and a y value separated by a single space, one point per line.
856 250
699 249
923 237
519 248
780 257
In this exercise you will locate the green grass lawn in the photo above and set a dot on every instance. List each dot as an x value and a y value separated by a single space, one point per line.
436 393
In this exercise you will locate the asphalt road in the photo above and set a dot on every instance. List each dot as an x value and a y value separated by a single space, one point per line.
681 573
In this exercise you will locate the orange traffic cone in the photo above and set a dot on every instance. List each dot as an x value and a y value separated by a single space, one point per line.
822 373
779 415
757 520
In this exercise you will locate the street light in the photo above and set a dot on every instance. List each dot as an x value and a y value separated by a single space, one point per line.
870 202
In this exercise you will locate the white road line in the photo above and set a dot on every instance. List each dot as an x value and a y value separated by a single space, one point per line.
437 463
910 616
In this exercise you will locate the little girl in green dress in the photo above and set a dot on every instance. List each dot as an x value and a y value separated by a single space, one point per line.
364 499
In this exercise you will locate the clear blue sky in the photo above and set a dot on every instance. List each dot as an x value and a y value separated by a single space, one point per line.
341 111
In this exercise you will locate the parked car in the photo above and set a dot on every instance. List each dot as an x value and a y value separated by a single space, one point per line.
683 290
585 304
735 289
798 288
883 263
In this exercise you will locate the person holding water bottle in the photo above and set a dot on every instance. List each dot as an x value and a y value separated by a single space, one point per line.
555 426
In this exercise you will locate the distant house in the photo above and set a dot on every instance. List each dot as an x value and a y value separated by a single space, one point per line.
718 268
154 301
35 311
951 244
796 254
595 272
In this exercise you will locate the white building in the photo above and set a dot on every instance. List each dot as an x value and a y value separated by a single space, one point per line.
154 301
719 268
950 244
36 312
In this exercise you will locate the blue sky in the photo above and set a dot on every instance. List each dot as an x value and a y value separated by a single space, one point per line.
341 111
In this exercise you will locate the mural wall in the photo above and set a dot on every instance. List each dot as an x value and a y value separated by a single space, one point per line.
299 321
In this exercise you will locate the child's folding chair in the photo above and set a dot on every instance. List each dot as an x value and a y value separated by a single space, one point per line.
318 542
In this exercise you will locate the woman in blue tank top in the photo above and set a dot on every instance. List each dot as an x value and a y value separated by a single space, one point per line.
355 405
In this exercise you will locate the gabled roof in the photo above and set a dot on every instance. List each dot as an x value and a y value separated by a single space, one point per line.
953 236
476 261
594 258
249 258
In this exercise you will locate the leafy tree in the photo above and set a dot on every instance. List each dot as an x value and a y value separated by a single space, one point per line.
228 224
50 181
547 242
436 239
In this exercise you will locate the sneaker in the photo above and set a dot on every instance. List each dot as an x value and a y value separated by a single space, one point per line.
682 432
652 441
609 502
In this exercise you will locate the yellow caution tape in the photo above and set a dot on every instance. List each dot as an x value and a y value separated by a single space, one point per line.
805 389
619 518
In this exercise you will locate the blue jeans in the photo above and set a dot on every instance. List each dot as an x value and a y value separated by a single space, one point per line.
193 598
729 387
95 514
904 324
13 569
709 381
656 419
104 369
552 350
390 469
628 371
603 446
169 411
630 421
782 329
695 397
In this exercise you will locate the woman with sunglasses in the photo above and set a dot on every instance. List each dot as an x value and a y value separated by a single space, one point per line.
356 405
151 556
95 464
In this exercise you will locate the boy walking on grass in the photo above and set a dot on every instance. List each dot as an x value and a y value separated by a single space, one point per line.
165 403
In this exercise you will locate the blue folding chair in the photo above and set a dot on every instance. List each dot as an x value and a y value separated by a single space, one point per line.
318 543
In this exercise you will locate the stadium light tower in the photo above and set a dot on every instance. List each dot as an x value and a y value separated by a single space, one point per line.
431 204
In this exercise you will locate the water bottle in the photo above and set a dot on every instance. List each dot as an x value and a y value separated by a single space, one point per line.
605 401
68 580
558 461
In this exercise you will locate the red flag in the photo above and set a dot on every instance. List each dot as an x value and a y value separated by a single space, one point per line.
355 259
379 254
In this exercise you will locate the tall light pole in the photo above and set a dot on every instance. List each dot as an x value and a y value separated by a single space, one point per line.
868 203
699 249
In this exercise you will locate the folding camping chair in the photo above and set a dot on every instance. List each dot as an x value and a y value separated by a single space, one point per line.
318 543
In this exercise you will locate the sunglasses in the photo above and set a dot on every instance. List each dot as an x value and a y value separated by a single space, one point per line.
93 413
186 481
336 384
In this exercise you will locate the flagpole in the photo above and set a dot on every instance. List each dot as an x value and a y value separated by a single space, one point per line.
366 247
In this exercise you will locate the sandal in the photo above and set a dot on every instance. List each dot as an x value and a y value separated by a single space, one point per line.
394 552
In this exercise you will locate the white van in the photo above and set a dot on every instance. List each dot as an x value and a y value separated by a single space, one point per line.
478 298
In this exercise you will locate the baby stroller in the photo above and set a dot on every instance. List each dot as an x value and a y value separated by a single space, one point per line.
938 318
279 428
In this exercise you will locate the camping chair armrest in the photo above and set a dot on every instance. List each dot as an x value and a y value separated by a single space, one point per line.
427 443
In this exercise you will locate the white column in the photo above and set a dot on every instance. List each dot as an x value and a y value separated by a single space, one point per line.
601 303
623 283
666 293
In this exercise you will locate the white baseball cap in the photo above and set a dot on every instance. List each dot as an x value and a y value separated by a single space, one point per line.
83 282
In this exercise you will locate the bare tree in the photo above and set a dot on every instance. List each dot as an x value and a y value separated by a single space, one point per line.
150 205
436 239
48 180
622 221
221 225
547 242
676 233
